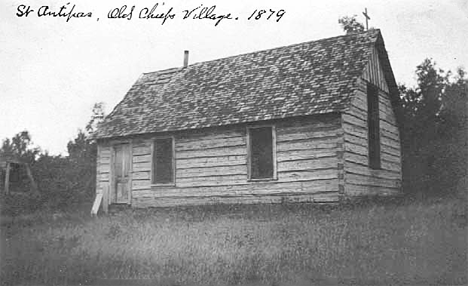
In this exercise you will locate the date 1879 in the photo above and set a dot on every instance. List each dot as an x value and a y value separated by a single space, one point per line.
257 14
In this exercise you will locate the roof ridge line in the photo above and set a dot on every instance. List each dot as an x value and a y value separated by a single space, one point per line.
265 50
291 45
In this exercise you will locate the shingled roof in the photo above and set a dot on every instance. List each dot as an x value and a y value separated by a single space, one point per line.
303 79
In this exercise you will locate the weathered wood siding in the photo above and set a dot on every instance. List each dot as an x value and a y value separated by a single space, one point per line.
211 166
359 179
373 72
103 162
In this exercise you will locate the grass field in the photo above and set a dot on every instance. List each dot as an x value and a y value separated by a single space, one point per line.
370 243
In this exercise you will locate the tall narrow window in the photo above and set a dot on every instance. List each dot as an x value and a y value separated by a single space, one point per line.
373 126
261 152
163 163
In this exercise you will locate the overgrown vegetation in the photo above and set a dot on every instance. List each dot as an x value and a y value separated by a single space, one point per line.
350 25
433 126
64 181
390 243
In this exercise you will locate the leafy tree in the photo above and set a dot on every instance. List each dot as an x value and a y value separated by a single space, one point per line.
96 118
454 110
19 147
422 104
82 154
82 148
434 130
350 25
53 176
63 180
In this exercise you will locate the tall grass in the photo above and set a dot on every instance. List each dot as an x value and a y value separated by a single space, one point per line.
422 243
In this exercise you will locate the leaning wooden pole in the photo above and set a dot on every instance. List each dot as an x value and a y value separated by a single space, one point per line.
7 179
31 178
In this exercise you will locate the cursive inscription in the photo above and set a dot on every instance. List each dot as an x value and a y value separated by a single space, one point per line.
123 12
126 12
65 11
159 11
201 13
146 13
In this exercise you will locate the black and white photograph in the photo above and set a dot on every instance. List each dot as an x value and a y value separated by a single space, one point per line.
269 143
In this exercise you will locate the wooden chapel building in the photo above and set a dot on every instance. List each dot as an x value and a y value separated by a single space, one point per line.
310 122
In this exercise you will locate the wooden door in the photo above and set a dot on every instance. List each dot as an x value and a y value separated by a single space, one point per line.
121 174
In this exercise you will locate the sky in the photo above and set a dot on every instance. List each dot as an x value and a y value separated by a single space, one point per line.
52 71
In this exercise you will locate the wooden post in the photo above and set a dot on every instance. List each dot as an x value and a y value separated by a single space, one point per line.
33 183
105 198
7 178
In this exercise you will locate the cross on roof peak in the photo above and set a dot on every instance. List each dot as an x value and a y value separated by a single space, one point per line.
367 19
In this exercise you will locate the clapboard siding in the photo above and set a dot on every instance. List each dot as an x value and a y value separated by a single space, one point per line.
207 162
206 143
314 164
141 158
141 165
258 188
211 171
315 143
141 185
359 178
210 158
220 158
103 160
359 169
211 152
363 160
141 175
273 192
373 71
211 165
308 175
298 155
242 199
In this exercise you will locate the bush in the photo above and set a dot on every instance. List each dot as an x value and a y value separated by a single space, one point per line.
64 182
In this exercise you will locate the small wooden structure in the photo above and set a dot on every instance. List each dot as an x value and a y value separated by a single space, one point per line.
6 163
311 122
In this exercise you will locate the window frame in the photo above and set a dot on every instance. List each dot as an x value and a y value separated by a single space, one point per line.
152 176
373 129
249 153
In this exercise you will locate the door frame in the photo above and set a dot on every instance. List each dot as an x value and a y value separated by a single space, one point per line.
112 190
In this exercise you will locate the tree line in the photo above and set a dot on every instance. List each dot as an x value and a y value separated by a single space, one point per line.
434 131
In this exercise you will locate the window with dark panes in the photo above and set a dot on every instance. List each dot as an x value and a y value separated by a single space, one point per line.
163 169
373 126
261 153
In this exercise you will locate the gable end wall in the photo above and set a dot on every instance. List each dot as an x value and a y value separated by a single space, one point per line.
359 178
